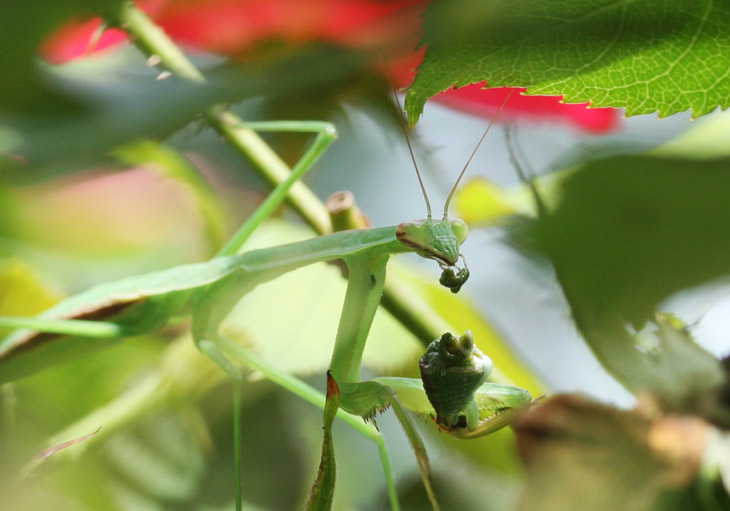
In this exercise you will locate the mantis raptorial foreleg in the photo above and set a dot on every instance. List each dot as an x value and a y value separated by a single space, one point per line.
358 400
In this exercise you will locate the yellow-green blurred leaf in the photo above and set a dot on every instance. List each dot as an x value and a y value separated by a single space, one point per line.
481 202
22 291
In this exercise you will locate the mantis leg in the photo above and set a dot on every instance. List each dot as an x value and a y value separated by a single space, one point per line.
79 327
209 349
365 283
326 134
310 394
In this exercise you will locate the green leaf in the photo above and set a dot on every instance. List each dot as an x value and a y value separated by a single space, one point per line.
22 292
662 56
625 234
686 377
484 203
25 26
51 142
630 231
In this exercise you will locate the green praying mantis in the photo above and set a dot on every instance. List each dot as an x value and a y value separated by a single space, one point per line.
106 313
453 390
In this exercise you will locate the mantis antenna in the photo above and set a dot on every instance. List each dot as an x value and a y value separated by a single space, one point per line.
473 153
437 240
413 157
405 134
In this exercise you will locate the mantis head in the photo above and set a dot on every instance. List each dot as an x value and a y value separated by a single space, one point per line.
438 240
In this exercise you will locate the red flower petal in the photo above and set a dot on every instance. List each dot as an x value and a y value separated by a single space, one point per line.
474 99
234 26
75 39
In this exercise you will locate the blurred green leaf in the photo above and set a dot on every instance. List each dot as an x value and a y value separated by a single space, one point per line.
662 56
626 233
686 377
483 202
38 144
162 460
24 26
630 231
22 292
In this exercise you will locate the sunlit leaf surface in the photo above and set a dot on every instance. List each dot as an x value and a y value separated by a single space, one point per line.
663 56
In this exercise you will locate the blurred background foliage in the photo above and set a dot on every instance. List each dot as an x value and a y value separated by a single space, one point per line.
106 171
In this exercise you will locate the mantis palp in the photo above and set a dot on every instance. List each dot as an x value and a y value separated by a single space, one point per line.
100 316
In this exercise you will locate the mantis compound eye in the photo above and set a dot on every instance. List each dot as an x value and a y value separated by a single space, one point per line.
452 369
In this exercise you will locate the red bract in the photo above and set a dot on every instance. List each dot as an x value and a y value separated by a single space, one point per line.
233 27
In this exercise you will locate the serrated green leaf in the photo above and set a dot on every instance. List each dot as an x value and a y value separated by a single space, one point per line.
662 56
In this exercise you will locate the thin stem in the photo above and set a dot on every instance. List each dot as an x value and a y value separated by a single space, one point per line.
237 435
153 42
523 172
473 153
271 168
388 469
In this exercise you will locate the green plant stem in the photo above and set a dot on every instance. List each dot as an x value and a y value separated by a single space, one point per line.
153 42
